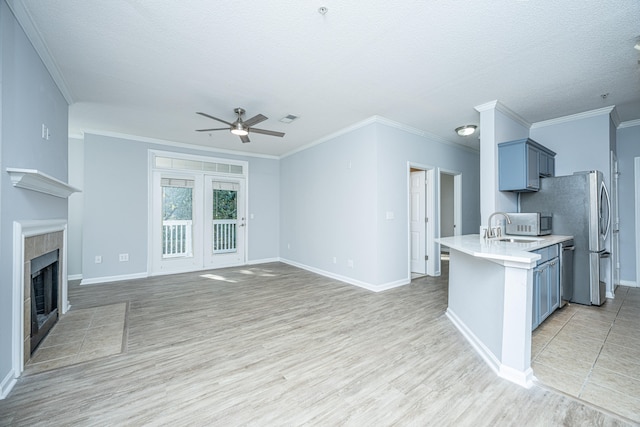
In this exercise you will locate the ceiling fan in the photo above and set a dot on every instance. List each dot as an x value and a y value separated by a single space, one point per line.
240 127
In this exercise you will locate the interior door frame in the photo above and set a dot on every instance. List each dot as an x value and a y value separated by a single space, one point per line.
431 213
636 168
614 216
457 206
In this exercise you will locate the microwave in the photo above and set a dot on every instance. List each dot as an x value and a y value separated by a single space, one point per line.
529 224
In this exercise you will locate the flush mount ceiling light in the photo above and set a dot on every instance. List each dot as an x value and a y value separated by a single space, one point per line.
466 130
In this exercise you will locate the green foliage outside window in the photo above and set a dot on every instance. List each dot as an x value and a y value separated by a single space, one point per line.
177 203
225 204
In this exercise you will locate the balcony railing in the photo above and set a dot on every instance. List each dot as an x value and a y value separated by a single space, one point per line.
177 238
224 235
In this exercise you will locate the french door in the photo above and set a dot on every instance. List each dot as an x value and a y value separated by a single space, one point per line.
224 224
198 222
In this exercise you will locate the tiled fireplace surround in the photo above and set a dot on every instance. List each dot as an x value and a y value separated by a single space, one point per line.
34 246
32 238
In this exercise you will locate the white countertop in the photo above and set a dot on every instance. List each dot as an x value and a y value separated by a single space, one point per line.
494 249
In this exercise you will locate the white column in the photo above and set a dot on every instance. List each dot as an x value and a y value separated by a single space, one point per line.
516 328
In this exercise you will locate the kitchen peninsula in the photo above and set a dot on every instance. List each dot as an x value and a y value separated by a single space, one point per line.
491 297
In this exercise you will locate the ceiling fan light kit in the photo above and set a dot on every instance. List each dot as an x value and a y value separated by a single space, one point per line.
466 130
240 127
239 130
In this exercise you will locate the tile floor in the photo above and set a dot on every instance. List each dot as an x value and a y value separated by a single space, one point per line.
79 336
593 353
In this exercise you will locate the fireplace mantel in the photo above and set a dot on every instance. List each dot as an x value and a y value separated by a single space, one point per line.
33 179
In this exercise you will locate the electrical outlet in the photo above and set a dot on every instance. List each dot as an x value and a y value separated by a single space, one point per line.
350 263
288 245
98 259
335 260
124 257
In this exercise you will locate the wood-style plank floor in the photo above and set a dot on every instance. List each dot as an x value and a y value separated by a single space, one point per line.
273 345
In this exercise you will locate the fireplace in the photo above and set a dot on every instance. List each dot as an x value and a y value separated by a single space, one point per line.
43 284
44 296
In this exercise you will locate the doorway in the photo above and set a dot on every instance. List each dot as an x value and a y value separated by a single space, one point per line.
449 201
422 220
197 217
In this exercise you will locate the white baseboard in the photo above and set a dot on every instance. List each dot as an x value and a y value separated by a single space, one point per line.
486 354
349 280
74 277
629 283
7 384
524 379
263 261
106 279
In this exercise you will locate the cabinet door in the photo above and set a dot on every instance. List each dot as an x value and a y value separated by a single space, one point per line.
544 307
533 168
554 284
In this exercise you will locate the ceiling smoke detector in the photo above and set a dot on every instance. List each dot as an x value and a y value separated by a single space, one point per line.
466 130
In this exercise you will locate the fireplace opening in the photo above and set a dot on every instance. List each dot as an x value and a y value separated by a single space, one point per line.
44 296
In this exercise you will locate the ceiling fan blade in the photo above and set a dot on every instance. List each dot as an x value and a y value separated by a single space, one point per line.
245 138
214 118
266 132
209 130
255 120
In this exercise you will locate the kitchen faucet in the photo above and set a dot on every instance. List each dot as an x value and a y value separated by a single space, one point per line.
490 232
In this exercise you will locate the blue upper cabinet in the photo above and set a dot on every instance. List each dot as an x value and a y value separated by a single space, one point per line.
521 163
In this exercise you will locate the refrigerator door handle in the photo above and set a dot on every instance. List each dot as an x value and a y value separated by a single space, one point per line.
606 193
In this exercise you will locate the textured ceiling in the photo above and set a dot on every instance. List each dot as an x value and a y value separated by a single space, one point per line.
145 67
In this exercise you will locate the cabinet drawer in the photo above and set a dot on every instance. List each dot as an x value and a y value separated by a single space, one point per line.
546 253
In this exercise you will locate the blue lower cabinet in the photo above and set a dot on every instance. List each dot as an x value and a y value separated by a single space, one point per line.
546 285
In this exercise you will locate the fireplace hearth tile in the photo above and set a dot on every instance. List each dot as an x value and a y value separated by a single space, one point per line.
79 336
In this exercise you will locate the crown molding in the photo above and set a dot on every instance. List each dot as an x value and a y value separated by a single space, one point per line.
25 20
579 116
498 106
175 144
383 121
628 124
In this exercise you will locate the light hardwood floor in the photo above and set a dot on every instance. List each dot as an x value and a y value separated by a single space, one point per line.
275 345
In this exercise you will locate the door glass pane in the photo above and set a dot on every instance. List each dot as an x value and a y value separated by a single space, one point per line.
225 218
177 218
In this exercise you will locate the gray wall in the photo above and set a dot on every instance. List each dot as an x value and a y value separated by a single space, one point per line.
336 196
76 201
28 98
580 145
114 210
446 205
628 147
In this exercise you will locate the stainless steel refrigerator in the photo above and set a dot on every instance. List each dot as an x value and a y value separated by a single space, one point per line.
580 207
